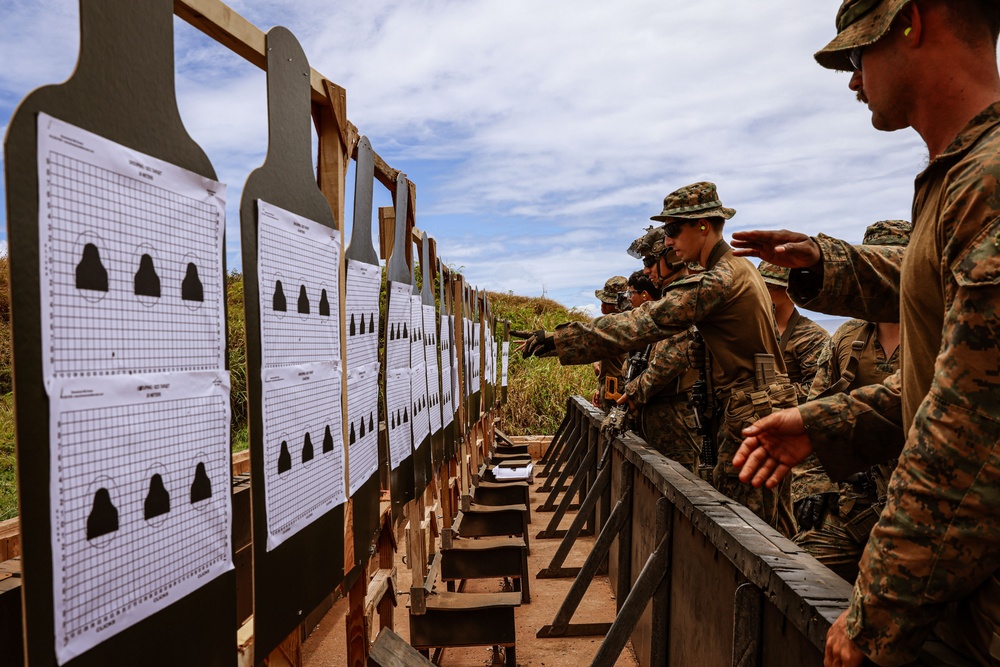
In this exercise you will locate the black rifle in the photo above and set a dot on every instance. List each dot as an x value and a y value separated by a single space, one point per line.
616 422
703 403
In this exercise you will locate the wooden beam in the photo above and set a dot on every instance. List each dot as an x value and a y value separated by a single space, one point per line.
227 27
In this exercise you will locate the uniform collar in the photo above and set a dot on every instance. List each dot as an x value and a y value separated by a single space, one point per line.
970 134
720 249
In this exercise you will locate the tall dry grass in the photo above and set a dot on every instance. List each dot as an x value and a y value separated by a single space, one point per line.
537 389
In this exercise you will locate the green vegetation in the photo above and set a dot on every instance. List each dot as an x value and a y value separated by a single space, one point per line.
538 388
536 399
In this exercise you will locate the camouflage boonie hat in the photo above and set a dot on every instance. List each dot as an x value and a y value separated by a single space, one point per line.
611 289
859 23
773 275
692 202
888 232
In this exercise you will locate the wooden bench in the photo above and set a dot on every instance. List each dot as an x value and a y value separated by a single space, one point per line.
486 559
467 619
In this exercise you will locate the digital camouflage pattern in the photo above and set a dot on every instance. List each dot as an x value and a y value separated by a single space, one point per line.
728 302
613 286
693 202
888 232
938 538
832 543
859 23
661 392
802 350
772 274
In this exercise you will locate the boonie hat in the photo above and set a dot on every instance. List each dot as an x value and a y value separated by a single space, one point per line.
859 23
611 289
772 274
698 200
888 232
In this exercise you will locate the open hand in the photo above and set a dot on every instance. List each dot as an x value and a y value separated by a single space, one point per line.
538 343
783 248
772 445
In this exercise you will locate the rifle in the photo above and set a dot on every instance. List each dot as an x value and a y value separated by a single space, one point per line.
703 403
616 422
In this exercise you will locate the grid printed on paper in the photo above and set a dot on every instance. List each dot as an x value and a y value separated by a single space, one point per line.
397 340
120 449
307 330
361 318
99 226
431 362
301 493
362 406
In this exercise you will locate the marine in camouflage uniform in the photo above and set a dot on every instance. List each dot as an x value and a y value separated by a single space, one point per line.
932 560
609 367
728 303
799 338
662 392
835 519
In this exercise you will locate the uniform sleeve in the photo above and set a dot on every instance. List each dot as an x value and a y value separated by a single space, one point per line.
807 350
809 478
686 302
857 281
938 538
668 360
852 432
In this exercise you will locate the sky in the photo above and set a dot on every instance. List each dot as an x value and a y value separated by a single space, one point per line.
542 135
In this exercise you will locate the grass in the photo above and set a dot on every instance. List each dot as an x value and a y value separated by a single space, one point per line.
537 389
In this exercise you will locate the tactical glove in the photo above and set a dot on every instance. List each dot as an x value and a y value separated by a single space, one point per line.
539 343
811 510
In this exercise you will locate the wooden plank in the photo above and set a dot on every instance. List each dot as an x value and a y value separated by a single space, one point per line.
357 623
389 650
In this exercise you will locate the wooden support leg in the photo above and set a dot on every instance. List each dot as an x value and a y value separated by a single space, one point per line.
747 612
572 463
579 477
560 431
357 623
555 568
653 573
620 516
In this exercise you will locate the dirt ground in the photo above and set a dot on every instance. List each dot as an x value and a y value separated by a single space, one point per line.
326 646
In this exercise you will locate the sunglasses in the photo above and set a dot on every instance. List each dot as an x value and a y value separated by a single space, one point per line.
854 56
650 261
673 229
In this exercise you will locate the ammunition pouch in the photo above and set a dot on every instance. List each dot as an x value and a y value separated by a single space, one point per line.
859 527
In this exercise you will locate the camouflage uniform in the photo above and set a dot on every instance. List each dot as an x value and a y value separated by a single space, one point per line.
611 366
728 303
802 341
839 541
662 393
938 538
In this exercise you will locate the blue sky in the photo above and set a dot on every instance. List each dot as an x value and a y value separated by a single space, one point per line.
542 136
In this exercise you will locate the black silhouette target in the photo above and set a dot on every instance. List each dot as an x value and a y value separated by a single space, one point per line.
91 272
103 519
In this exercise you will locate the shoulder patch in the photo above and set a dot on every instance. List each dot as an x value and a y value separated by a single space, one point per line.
979 263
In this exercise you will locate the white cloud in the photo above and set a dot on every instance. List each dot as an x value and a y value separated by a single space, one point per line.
542 136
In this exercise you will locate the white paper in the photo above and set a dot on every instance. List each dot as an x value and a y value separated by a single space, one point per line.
418 404
431 364
447 387
476 358
361 319
507 473
505 363
298 260
141 499
397 397
397 340
303 447
362 424
130 259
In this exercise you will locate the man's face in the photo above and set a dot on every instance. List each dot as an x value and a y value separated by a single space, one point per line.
881 83
639 298
688 241
608 308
